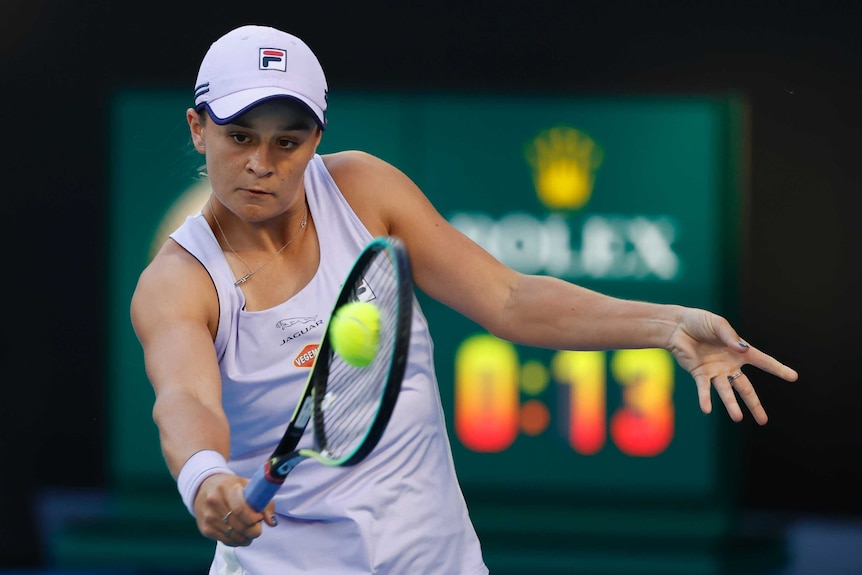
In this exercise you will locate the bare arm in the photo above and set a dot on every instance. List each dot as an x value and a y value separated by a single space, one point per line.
544 311
175 315
172 310
539 311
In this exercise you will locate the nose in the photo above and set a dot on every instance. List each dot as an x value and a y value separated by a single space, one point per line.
260 161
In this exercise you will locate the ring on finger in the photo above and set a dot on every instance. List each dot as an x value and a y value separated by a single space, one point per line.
227 516
228 532
735 376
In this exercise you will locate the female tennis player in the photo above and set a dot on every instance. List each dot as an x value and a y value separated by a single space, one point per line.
230 310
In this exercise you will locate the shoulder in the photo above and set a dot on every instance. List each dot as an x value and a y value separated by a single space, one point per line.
173 286
357 172
375 189
353 167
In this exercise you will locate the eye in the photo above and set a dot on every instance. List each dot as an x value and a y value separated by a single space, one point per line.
287 143
239 138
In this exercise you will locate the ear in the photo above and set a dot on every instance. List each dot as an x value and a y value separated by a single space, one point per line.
196 130
318 137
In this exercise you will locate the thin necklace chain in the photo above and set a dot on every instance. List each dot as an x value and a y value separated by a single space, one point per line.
252 271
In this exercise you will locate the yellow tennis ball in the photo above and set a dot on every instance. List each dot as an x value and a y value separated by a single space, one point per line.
355 332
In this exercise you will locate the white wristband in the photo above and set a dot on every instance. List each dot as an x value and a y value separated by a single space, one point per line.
195 470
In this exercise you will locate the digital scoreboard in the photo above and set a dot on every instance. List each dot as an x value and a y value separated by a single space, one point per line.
637 197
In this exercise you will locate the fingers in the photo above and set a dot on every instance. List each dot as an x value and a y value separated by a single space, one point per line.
269 514
704 393
745 390
771 365
236 532
756 357
727 396
727 334
233 530
242 523
733 385
226 516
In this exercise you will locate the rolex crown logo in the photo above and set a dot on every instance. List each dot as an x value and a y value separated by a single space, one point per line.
564 162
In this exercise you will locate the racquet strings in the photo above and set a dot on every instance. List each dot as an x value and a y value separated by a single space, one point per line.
354 395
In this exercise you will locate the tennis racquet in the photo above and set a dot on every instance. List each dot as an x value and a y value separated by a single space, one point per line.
348 406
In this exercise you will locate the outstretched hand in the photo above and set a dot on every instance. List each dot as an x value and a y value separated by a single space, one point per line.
708 347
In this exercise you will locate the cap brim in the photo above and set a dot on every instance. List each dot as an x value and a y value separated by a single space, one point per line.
227 109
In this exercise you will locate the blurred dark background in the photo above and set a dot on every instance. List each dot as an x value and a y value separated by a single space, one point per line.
799 64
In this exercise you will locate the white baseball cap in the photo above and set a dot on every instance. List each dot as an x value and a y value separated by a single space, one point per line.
251 64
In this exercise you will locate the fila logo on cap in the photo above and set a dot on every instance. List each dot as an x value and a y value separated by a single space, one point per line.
272 59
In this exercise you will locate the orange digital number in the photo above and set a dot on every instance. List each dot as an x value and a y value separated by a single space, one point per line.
487 408
584 373
644 426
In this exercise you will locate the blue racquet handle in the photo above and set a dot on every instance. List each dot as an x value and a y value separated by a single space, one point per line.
261 489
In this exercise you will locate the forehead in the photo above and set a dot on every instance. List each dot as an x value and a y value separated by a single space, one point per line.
277 113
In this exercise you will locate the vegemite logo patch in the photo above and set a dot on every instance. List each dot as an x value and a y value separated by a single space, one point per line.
305 358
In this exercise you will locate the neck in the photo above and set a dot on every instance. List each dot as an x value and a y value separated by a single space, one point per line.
251 271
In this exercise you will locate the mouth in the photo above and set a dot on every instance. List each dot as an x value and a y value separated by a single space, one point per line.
256 192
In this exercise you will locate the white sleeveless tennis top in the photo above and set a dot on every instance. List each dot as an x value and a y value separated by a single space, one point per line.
401 509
